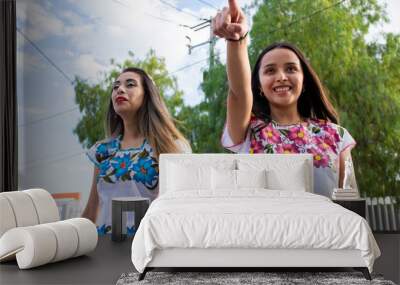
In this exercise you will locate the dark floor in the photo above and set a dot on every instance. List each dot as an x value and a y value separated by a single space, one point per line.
102 266
110 259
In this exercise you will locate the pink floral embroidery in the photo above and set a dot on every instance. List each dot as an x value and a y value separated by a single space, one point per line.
271 135
256 147
325 144
298 135
331 132
287 148
320 159
319 138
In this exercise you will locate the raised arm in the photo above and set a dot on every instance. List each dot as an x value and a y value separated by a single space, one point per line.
92 205
230 24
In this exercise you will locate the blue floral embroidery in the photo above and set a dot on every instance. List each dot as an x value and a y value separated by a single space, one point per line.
130 231
104 166
102 150
144 172
136 164
118 166
106 150
103 230
121 165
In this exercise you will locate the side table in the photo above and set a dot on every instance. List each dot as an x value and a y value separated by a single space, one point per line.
358 206
138 205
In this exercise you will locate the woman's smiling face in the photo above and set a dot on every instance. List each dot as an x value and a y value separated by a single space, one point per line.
281 77
128 93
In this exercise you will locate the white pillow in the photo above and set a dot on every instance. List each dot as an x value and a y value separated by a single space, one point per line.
283 172
251 178
227 179
224 179
291 180
183 177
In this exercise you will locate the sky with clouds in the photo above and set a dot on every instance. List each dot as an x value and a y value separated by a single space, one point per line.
60 39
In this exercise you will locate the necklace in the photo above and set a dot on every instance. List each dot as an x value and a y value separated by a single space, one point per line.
275 123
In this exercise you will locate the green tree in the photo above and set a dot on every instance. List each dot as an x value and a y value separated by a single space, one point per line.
93 99
204 122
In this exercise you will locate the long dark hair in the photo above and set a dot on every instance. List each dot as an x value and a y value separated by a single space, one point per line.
312 103
154 121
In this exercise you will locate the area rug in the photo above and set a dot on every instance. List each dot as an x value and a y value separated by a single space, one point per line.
243 278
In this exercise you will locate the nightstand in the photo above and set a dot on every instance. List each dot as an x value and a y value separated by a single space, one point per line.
120 205
358 206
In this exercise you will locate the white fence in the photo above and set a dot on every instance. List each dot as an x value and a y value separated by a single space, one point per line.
382 214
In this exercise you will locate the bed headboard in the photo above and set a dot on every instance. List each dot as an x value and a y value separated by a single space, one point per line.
280 163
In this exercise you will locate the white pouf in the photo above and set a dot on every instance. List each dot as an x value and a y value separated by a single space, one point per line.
31 233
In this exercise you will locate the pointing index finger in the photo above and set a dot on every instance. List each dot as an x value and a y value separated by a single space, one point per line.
233 7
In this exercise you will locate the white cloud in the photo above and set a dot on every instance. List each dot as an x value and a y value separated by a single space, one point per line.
115 31
87 66
393 9
69 52
37 22
78 33
71 17
28 62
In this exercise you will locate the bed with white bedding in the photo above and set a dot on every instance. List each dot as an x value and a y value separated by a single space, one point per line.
232 211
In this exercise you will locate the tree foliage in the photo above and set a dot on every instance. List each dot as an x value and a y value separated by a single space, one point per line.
204 122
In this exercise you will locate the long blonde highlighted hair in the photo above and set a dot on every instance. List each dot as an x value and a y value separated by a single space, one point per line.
154 120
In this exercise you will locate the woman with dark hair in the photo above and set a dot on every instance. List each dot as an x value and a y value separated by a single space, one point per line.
281 106
139 128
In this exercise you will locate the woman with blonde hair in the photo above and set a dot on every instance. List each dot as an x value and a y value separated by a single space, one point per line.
139 128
